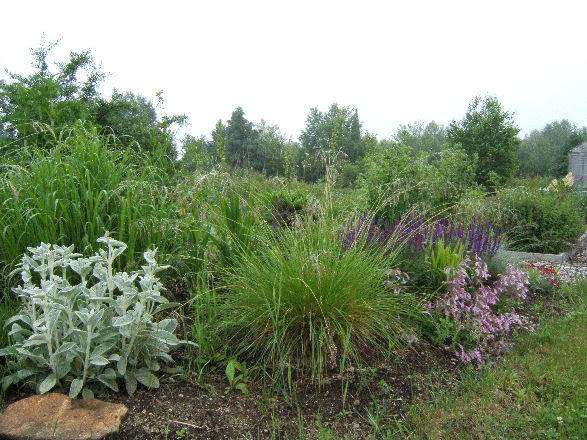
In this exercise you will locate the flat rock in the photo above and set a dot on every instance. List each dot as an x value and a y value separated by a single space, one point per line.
56 416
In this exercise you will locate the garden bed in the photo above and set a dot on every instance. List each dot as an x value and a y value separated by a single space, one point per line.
183 408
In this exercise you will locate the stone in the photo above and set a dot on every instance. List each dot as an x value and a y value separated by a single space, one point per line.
56 416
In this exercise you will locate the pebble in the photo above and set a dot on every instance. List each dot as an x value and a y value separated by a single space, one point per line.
571 272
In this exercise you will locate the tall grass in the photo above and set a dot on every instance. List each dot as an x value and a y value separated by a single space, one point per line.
81 188
302 304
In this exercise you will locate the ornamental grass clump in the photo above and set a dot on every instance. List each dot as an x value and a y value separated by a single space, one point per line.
303 305
484 313
82 325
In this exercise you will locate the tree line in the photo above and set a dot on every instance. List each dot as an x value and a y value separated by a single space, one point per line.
36 108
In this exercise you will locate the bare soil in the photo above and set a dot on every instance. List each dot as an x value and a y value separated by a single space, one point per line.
186 409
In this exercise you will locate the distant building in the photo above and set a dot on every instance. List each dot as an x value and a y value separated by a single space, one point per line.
578 165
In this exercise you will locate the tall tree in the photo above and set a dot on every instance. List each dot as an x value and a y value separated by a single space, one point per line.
35 107
335 132
241 140
134 121
489 133
219 142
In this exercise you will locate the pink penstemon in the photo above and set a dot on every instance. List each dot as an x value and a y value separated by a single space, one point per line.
471 302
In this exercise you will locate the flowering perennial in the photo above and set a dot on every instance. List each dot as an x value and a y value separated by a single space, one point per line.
472 303
548 272
416 233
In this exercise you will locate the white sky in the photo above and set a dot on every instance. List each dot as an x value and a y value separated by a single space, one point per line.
395 61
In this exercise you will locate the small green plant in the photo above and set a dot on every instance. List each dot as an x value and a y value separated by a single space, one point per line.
444 259
82 324
237 375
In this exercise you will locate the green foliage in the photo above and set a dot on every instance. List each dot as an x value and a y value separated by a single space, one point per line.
219 142
240 140
237 375
397 180
233 231
8 308
303 305
82 324
444 259
134 121
196 154
488 132
35 108
539 221
545 152
337 131
429 138
538 391
451 176
80 189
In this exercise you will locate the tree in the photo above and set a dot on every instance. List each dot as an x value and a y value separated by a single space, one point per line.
270 154
35 108
133 120
488 132
335 132
240 140
196 154
219 142
545 152
422 137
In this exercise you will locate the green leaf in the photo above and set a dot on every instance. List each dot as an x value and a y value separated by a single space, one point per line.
122 320
230 370
66 347
47 384
8 380
23 374
166 306
87 394
15 318
147 378
131 383
110 383
121 366
35 340
75 387
99 360
242 387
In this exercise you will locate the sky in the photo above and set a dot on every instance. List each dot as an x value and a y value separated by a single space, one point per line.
395 61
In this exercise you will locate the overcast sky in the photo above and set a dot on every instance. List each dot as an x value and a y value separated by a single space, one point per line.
395 61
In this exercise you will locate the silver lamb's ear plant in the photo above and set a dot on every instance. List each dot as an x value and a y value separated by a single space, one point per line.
82 325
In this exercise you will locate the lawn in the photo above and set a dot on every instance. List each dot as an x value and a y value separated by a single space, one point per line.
538 391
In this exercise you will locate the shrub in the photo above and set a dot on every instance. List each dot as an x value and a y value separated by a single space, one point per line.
395 181
540 221
304 304
82 324
398 181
